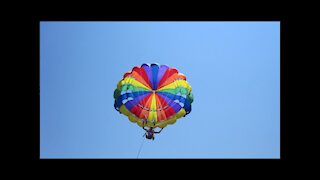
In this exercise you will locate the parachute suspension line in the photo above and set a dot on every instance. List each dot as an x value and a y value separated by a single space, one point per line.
141 146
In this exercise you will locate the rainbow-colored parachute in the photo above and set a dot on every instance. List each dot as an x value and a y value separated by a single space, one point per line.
154 91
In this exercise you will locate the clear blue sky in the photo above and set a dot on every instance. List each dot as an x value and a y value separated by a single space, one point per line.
233 68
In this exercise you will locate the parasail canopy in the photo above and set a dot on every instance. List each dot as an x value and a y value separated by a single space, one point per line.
156 92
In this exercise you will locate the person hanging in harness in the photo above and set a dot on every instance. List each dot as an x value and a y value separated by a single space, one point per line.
150 132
